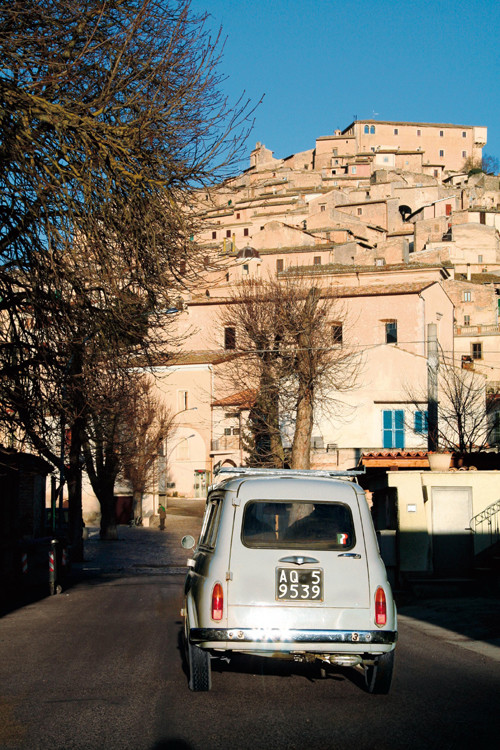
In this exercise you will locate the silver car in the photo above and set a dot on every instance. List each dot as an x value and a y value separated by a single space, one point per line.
287 566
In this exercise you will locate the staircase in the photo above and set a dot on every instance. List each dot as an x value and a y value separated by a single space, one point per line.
487 561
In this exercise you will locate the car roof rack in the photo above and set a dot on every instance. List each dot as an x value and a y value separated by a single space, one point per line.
328 473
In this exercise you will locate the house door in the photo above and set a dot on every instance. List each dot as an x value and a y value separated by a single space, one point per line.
200 483
451 539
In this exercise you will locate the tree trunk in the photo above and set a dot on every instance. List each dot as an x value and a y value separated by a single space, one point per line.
306 373
109 528
75 516
137 505
301 446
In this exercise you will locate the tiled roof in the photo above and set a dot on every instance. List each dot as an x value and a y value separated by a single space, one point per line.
244 399
396 458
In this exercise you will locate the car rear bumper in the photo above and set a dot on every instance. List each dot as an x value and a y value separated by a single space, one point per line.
257 635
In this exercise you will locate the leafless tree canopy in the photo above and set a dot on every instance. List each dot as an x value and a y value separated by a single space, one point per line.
292 342
463 423
111 113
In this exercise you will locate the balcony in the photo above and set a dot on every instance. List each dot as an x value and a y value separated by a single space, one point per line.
490 330
225 444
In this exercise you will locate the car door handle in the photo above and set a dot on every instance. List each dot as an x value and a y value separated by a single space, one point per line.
354 555
299 560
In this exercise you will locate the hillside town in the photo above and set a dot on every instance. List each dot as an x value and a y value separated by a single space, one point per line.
381 215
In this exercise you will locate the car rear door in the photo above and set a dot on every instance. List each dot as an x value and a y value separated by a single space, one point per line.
310 579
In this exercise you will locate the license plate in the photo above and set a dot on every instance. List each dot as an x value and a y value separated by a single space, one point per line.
299 585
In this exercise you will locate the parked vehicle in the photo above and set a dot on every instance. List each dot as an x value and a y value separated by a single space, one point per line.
287 566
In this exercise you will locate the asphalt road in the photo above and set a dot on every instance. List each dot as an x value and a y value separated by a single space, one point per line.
100 666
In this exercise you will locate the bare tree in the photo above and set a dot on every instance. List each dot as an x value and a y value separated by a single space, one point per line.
291 344
145 426
463 423
463 408
487 163
111 113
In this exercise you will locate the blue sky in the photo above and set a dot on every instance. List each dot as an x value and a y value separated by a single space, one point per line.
321 64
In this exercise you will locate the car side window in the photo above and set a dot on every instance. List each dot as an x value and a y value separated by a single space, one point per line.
210 527
298 524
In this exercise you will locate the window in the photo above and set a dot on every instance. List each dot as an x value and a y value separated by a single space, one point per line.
464 134
279 265
477 350
393 433
353 170
421 423
228 233
245 232
317 260
337 333
229 338
396 131
238 216
391 332
479 258
464 154
441 133
436 173
467 296
183 450
322 208
419 132
227 430
372 130
298 524
208 534
441 153
214 235
466 320
360 211
495 430
246 268
367 129
182 268
448 209
182 400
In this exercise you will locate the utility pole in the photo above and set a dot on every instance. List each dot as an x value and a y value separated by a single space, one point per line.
432 388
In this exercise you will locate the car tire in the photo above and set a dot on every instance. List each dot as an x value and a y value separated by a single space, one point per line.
200 673
378 676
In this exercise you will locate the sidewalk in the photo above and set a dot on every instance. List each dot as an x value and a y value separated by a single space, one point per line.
143 549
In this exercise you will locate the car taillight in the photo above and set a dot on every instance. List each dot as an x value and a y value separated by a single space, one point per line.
380 607
217 602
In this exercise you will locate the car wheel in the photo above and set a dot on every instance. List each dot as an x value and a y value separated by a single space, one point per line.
200 673
378 676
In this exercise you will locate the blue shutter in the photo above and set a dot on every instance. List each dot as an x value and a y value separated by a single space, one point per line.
387 429
421 425
399 429
393 433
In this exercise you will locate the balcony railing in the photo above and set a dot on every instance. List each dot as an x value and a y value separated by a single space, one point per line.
226 443
481 330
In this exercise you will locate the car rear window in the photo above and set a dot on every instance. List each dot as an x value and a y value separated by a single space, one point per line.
298 524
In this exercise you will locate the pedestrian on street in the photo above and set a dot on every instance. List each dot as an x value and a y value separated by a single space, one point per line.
163 514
